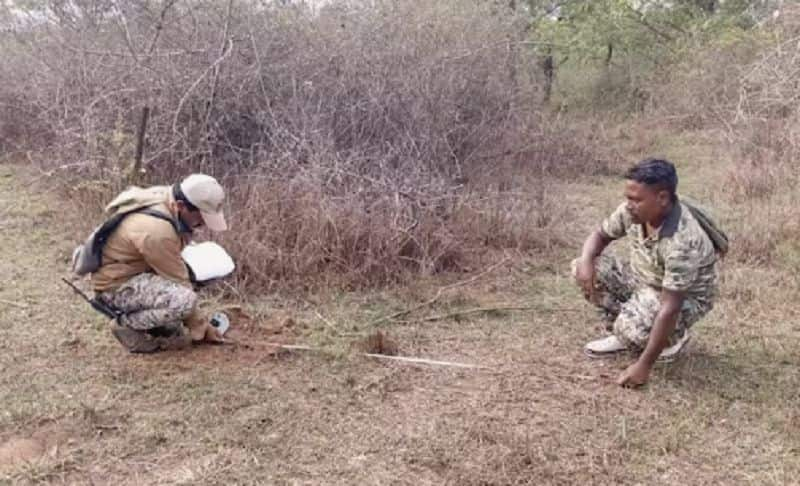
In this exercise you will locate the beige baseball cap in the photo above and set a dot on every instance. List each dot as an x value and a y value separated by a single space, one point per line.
207 194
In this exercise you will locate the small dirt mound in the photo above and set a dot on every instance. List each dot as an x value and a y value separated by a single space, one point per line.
42 443
379 343
18 450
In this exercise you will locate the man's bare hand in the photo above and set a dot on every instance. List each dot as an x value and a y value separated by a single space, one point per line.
585 276
634 375
213 335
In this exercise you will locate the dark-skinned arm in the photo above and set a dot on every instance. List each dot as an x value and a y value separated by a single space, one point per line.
666 320
592 248
663 326
594 245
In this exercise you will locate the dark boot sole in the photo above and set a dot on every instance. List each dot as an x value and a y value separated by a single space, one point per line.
135 341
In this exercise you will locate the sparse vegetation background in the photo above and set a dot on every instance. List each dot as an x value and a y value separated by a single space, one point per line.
364 142
426 169
369 142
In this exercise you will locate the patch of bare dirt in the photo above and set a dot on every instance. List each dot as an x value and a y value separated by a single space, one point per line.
43 443
249 341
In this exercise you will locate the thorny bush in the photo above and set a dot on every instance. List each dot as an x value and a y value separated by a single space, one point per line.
362 142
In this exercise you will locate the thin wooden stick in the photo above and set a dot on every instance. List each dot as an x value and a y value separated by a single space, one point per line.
179 109
253 344
407 359
217 68
14 304
327 322
137 160
123 24
476 311
159 27
404 359
475 277
439 294
409 310
500 308
295 347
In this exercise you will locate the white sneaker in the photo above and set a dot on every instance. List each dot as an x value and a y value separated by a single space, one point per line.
670 354
604 348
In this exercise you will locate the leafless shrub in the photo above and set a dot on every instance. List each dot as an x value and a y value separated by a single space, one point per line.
766 152
762 181
762 126
362 141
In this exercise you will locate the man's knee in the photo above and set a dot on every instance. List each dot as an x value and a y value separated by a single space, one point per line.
632 330
636 318
166 303
178 300
183 302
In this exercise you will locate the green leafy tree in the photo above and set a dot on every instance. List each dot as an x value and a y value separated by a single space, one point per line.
632 37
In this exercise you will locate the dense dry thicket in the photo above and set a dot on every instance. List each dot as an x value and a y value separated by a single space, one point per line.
366 141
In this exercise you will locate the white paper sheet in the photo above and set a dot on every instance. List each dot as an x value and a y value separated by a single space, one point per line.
208 260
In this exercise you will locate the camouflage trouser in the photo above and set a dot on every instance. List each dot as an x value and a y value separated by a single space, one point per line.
632 307
150 301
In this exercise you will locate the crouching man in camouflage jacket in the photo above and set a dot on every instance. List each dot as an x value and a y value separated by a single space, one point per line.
669 283
143 274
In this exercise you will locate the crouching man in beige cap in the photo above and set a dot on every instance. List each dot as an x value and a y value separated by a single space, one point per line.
142 274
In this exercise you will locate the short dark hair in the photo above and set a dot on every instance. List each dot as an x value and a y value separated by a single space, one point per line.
656 173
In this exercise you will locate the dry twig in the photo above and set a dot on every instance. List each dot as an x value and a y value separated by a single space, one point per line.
12 303
402 359
479 310
439 294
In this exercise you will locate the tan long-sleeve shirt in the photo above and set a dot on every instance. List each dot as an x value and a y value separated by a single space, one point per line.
142 243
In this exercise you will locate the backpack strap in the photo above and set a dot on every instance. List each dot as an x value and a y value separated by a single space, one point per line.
111 225
157 214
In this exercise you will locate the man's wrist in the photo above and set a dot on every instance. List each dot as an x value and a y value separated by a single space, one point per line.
647 361
651 353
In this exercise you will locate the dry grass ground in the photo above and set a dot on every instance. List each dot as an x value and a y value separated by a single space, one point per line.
82 411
